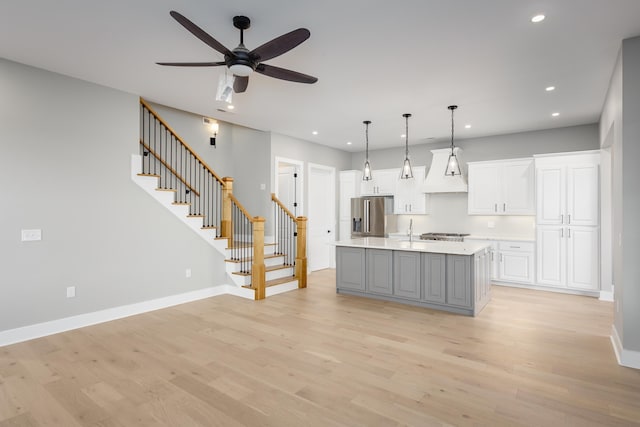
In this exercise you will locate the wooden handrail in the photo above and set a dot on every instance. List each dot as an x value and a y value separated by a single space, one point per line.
169 168
283 207
242 209
170 129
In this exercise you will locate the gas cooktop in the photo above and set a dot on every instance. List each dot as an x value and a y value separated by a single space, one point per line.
448 237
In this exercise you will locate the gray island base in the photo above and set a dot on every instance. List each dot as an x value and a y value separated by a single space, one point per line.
449 276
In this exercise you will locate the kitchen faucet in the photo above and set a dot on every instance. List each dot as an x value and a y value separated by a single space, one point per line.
410 229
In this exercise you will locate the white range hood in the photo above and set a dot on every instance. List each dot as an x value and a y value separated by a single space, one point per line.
437 181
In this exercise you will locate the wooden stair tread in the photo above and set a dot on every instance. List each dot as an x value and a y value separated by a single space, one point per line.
149 174
277 267
181 203
210 227
241 273
274 282
195 216
167 189
251 258
279 281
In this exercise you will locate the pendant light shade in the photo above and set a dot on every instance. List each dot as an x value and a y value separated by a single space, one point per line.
366 171
453 166
406 172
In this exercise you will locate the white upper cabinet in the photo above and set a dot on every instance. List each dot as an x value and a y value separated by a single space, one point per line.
409 198
349 188
382 184
503 187
567 190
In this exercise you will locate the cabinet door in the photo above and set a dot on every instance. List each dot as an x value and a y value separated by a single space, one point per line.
459 280
434 267
518 188
386 181
516 267
350 266
551 255
408 196
348 185
484 189
550 195
582 258
406 274
379 271
582 195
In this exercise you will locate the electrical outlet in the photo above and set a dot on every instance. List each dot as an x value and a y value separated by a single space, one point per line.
31 235
263 186
491 224
187 273
71 292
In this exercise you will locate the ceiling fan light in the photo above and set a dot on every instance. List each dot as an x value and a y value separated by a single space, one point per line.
240 70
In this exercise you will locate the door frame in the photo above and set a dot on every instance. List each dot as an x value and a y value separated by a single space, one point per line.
300 165
332 172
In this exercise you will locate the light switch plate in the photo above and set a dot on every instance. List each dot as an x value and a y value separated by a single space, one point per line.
31 235
187 273
71 292
491 224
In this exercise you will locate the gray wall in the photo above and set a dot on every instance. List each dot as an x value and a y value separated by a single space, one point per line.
65 154
240 152
631 195
510 146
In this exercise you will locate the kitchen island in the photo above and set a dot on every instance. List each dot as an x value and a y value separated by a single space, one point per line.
450 276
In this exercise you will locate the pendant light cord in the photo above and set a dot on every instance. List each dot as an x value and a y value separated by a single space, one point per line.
406 134
452 130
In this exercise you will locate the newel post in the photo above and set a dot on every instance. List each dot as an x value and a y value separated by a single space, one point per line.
257 268
225 223
301 251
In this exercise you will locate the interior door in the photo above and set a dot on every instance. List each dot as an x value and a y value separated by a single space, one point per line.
321 217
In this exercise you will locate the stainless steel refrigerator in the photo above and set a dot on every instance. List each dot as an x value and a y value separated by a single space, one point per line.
372 216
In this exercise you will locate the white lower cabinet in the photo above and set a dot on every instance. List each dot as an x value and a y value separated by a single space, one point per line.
568 257
515 262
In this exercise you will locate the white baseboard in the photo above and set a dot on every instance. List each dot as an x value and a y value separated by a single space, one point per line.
628 358
606 296
39 330
279 289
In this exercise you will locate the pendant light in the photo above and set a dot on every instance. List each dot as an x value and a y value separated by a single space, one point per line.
366 172
406 171
453 166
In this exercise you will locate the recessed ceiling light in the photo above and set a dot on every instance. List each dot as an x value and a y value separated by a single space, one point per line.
230 107
555 114
349 143
550 88
467 126
315 132
403 136
538 18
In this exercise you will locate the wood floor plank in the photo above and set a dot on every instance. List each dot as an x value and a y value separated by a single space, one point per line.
312 357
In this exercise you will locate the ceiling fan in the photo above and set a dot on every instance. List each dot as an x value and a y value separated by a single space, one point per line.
242 62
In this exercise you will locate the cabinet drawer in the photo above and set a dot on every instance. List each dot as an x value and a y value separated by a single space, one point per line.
516 246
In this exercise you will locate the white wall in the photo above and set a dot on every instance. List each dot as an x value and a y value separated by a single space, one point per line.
65 154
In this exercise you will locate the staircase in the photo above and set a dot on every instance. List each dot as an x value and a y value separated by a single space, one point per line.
173 174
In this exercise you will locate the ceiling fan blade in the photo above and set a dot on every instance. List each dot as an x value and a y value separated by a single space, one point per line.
280 45
200 33
192 64
284 74
240 84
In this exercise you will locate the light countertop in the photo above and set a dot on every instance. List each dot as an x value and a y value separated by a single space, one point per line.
439 247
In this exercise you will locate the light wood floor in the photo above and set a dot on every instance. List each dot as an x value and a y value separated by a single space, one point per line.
314 358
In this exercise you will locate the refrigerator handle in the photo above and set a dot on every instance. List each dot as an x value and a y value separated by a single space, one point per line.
367 219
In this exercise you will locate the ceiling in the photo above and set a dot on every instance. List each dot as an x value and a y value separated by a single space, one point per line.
374 61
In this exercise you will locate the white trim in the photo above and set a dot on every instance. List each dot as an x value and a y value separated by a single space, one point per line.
628 358
39 330
606 296
279 289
